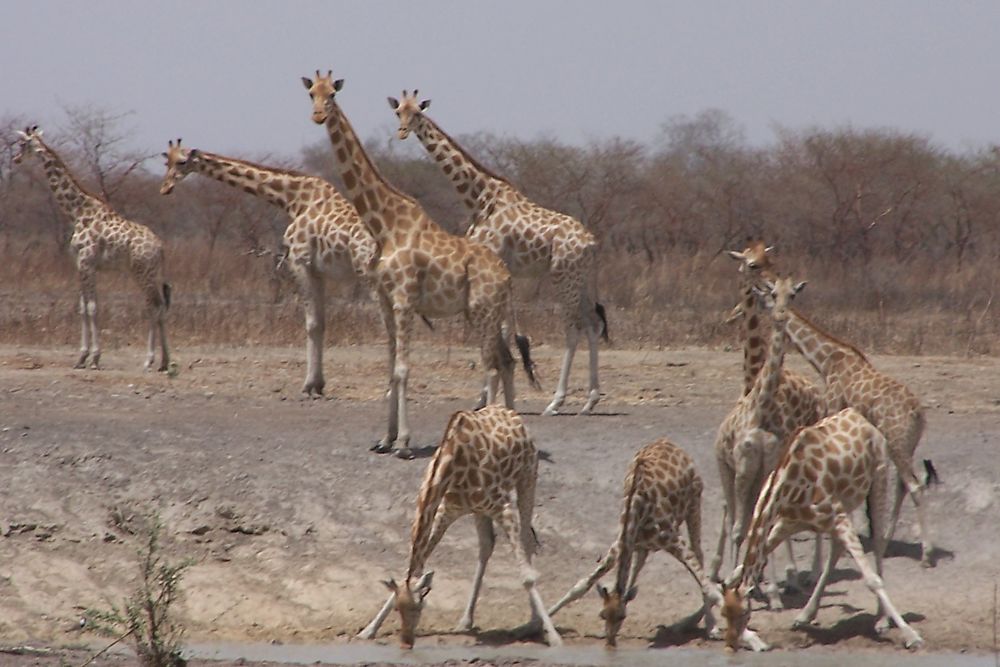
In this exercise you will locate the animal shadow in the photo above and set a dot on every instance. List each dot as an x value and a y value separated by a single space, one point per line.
912 551
859 625
680 633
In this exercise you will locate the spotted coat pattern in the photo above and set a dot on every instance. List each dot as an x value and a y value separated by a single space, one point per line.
421 269
486 465
823 476
662 493
103 239
532 240
325 238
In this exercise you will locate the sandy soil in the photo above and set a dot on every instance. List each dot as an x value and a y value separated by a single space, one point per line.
292 522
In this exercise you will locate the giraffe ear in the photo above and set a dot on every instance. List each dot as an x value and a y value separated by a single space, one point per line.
393 103
631 593
768 249
307 82
602 591
23 135
194 154
425 105
799 287
391 585
738 256
338 84
164 154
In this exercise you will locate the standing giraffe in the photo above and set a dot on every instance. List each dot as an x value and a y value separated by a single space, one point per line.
486 465
530 239
325 237
824 475
662 491
851 381
421 268
104 239
750 437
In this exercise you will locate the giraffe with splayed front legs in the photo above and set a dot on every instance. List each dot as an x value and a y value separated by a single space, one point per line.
324 240
850 380
827 471
750 437
486 465
104 239
662 492
421 269
532 240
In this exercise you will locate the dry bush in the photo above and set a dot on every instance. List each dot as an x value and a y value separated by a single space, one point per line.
899 239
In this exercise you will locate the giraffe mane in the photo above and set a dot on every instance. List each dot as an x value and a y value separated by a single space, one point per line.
461 149
826 334
69 172
429 494
255 165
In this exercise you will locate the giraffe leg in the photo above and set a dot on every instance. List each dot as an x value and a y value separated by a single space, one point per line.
593 332
728 479
711 596
95 331
401 374
313 292
84 334
572 336
386 444
581 587
808 613
161 325
899 492
510 521
844 531
487 540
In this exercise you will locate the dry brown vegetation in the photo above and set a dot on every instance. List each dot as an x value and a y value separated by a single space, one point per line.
899 239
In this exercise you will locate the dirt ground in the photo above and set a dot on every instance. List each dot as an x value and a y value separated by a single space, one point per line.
292 522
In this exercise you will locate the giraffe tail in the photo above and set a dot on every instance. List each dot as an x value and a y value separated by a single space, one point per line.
524 348
437 479
166 295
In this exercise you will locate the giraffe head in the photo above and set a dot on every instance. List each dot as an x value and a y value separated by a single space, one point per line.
613 612
410 604
736 611
778 295
407 111
754 260
29 142
180 163
322 90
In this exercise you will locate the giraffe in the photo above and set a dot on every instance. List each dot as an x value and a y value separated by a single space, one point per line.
324 239
532 240
750 437
850 379
486 465
103 239
823 476
421 268
662 491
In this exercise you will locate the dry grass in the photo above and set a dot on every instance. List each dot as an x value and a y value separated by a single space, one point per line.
236 299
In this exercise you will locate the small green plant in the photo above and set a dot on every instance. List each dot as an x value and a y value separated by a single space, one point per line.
146 618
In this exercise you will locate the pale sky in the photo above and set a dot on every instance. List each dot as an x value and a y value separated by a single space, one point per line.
225 75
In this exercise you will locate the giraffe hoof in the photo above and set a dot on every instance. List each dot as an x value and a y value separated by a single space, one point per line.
914 643
381 447
404 453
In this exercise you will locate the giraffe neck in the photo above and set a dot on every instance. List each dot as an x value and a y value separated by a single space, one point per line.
760 526
69 194
377 202
628 532
467 175
271 184
821 350
753 341
770 374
